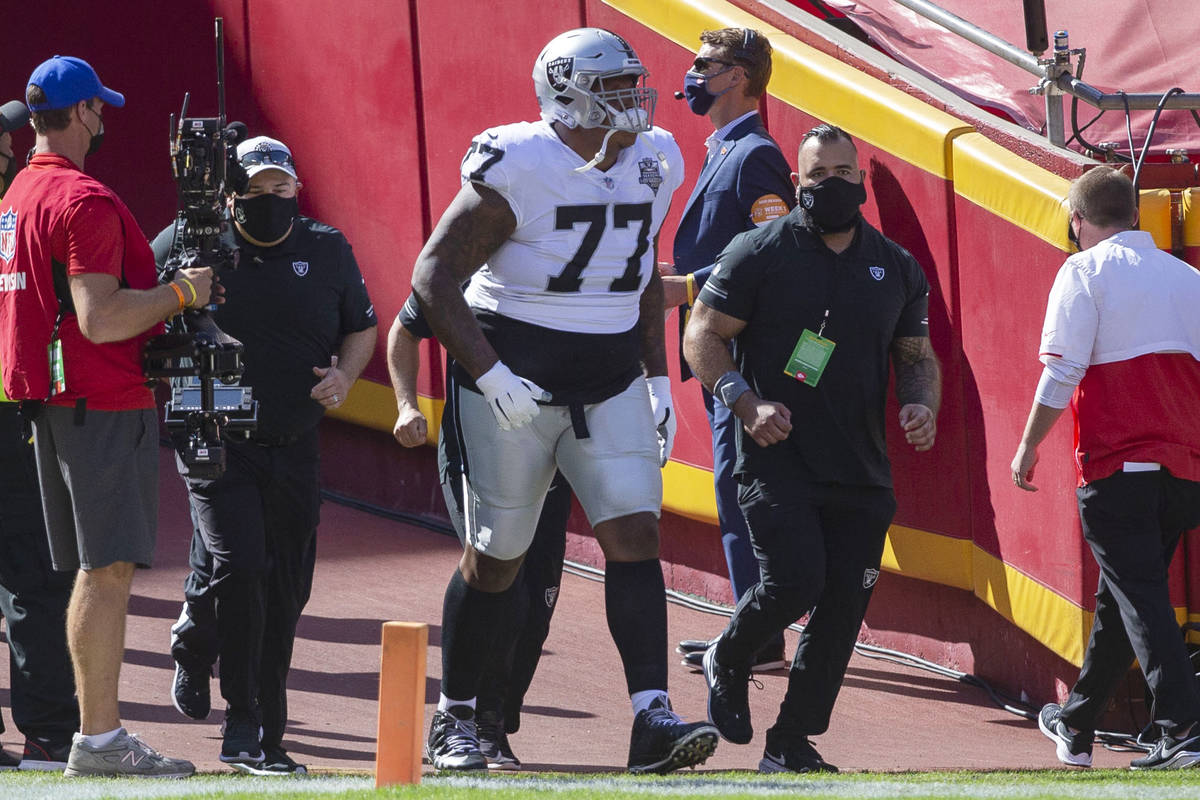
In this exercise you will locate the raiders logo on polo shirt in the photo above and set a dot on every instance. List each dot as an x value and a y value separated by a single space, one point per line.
869 578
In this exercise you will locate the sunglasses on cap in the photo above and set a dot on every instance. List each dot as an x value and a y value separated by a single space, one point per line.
277 158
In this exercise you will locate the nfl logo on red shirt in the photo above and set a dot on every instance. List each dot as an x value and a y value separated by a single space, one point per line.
8 235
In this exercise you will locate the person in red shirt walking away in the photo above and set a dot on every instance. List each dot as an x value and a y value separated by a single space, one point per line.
1120 345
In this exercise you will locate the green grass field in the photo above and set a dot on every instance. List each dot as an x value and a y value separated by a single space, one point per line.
1031 785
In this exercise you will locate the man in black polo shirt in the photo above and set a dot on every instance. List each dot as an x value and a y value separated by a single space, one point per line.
298 304
815 303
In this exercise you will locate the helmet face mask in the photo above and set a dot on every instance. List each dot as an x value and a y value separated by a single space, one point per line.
576 82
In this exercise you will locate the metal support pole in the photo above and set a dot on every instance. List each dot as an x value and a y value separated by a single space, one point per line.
1056 78
1055 122
975 34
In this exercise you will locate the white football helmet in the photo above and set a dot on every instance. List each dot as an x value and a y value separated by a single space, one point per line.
569 78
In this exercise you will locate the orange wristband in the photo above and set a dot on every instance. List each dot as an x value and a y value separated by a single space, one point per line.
179 294
191 289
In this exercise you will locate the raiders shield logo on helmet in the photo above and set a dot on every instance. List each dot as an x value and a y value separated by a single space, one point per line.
869 578
558 72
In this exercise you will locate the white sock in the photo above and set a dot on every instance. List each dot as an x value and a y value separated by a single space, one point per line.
445 703
100 739
643 699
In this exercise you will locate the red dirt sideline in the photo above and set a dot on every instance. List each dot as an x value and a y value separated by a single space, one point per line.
577 717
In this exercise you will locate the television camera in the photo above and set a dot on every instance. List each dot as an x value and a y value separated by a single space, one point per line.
203 363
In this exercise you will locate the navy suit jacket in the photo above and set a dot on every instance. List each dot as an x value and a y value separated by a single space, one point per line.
747 167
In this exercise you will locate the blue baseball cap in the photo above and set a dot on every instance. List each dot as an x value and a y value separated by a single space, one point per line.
66 80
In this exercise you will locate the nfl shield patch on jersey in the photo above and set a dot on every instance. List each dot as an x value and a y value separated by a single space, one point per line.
8 235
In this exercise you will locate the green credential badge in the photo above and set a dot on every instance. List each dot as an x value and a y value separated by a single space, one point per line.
809 358
58 382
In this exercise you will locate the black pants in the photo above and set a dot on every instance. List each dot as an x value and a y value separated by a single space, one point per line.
33 597
735 535
1133 522
253 553
508 674
818 548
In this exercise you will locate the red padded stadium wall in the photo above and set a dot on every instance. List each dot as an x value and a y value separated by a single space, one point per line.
1004 300
152 52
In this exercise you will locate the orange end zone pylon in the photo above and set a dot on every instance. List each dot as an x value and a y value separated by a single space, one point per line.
401 703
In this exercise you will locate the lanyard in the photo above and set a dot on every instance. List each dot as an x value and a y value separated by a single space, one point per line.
832 294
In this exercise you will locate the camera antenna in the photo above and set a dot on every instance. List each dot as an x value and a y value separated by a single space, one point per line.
220 34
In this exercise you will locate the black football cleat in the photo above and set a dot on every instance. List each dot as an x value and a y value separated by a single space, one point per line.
661 742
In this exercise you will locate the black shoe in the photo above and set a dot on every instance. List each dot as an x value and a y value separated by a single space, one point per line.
45 755
275 761
1074 749
8 761
694 645
769 659
190 692
661 742
241 739
1171 753
453 742
493 741
728 704
793 756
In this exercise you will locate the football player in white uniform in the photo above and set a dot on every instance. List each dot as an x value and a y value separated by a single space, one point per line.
560 363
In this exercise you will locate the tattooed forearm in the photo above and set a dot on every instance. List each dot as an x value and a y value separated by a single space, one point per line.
473 227
918 376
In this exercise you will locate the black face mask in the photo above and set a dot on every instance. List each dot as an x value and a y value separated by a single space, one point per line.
97 137
265 217
832 205
1073 237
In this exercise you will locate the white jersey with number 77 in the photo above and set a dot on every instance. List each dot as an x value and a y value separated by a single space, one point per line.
583 248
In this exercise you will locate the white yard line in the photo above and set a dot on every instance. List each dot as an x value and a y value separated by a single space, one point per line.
694 785
55 788
883 787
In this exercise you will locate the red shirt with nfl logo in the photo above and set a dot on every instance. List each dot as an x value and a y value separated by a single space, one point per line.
55 222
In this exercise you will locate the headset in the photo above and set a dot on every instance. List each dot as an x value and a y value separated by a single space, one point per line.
746 51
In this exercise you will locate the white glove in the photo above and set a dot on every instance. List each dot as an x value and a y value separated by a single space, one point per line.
510 396
659 388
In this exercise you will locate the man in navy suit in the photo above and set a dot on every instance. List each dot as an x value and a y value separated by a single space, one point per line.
745 183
